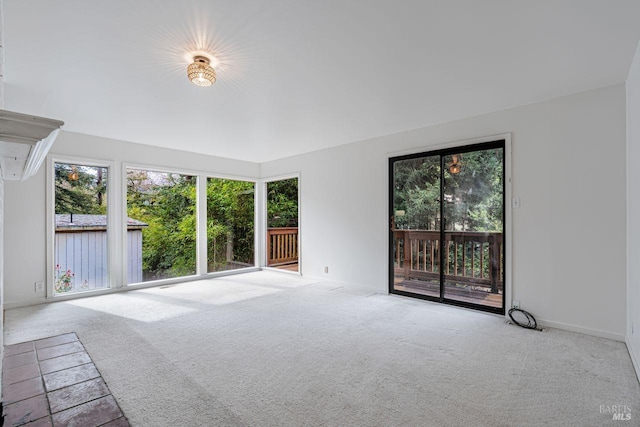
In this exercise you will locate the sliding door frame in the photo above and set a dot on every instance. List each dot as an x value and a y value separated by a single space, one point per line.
477 144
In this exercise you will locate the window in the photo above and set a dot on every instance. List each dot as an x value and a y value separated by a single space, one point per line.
161 225
169 227
230 224
81 228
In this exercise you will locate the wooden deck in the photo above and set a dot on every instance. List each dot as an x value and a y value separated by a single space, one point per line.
288 267
471 257
464 294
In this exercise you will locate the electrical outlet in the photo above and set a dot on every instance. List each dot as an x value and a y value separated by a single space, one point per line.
515 304
39 286
326 269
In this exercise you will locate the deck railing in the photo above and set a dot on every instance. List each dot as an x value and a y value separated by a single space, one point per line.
470 257
282 246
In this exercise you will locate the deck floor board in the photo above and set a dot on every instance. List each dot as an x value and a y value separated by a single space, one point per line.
463 294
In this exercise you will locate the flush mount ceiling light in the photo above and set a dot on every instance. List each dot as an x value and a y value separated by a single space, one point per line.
200 72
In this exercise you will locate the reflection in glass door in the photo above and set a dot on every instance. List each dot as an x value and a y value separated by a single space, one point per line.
473 238
447 219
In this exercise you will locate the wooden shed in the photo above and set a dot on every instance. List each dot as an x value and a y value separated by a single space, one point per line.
81 248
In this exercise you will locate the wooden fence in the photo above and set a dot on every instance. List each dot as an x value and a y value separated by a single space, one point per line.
470 257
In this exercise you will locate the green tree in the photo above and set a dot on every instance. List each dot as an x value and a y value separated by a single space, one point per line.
166 202
80 189
282 203
472 197
230 223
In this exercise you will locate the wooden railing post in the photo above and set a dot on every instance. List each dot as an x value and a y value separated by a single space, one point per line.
494 257
409 243
407 247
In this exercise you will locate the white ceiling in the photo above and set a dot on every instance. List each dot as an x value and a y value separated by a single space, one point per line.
301 75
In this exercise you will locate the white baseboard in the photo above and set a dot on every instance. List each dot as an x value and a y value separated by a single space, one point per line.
541 322
349 285
132 287
634 358
25 303
580 329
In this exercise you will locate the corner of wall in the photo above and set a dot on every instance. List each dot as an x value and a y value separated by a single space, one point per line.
1 275
1 57
634 357
1 200
632 337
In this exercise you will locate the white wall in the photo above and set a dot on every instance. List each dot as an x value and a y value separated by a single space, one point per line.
1 197
569 261
1 273
25 202
569 264
633 211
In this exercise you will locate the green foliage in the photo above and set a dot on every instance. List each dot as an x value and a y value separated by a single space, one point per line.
476 192
230 223
85 195
167 203
472 198
282 203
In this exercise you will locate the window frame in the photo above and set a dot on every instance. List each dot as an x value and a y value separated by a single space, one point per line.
117 273
256 227
263 221
112 224
201 224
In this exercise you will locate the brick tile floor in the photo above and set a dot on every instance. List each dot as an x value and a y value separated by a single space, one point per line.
53 382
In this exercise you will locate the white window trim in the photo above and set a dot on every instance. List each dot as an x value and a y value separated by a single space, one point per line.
116 220
112 223
203 228
201 224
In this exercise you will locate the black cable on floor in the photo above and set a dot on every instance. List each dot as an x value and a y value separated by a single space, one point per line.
523 318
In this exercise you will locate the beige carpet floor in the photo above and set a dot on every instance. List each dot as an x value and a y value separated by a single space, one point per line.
272 349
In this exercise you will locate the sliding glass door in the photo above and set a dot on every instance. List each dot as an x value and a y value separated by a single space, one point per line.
447 226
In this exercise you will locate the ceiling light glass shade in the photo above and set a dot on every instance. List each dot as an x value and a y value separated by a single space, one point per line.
73 175
455 166
200 72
